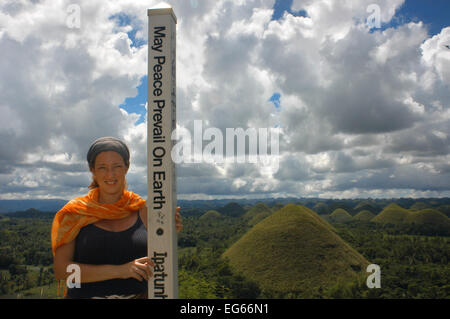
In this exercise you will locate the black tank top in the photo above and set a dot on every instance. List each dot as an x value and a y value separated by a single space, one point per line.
97 246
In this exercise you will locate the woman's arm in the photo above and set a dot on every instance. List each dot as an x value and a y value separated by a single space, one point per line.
143 215
138 268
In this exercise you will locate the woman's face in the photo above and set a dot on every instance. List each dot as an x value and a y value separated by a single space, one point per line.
109 172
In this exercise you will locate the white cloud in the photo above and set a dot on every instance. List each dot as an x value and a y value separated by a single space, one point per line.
436 55
356 106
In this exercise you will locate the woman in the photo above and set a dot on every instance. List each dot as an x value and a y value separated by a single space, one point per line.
105 232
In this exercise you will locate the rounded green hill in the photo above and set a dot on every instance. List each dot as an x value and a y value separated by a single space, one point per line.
429 219
257 213
424 221
321 208
419 206
392 214
444 209
364 216
340 215
210 214
366 205
294 251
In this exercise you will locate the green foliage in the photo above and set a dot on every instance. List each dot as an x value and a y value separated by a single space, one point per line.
193 286
203 274
25 252
25 241
348 289
413 254
216 233
411 266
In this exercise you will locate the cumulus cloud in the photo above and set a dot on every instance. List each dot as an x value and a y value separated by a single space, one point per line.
363 112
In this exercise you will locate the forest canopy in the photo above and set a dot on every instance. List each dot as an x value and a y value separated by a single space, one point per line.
412 249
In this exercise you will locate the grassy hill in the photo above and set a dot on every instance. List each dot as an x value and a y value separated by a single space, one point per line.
321 208
366 205
419 206
364 216
210 214
340 215
257 213
392 214
295 251
232 209
276 206
427 221
430 220
345 205
444 209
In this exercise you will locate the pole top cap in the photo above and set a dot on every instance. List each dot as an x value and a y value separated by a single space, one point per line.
162 8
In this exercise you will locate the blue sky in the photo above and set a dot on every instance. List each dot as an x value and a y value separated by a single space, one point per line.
434 13
137 104
134 104
123 19
285 5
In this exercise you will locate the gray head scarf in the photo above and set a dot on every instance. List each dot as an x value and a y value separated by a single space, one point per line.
105 144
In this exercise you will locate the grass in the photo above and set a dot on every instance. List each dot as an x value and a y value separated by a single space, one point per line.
428 218
364 215
392 214
211 214
294 250
340 215
41 292
257 213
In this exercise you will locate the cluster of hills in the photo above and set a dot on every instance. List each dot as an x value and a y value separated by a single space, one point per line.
294 250
319 205
422 212
430 219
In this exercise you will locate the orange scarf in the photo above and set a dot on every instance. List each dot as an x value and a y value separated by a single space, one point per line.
82 211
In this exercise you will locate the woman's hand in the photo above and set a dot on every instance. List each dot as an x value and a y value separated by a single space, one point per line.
178 220
139 269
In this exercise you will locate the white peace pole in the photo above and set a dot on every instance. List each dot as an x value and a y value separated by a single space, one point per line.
161 106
